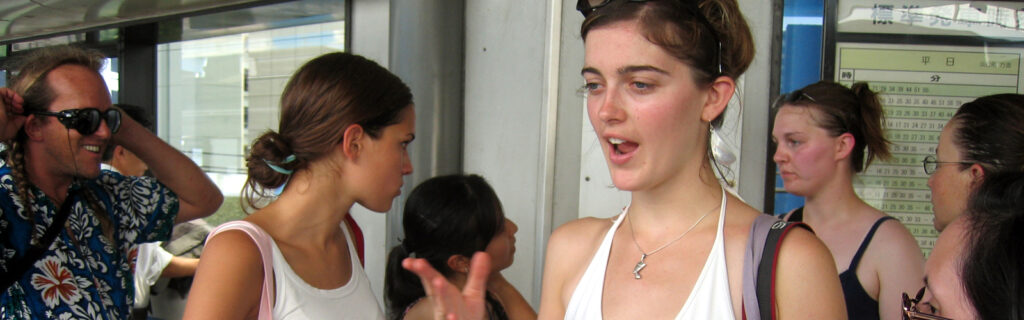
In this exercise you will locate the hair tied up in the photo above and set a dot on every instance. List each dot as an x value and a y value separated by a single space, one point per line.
405 248
289 159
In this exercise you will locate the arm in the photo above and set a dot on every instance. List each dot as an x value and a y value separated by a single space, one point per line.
899 267
198 196
807 283
448 302
229 281
555 273
570 249
515 305
180 267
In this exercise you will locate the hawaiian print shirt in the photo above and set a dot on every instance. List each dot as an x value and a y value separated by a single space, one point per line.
82 275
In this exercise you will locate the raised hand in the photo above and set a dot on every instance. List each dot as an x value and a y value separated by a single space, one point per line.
12 117
449 303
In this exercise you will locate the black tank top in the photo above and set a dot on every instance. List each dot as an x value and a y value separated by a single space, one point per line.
859 304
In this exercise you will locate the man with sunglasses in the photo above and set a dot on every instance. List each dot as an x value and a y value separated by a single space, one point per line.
66 227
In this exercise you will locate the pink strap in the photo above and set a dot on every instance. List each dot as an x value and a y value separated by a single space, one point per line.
263 242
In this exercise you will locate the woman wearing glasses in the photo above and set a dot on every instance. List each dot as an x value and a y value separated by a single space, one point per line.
985 136
825 133
977 267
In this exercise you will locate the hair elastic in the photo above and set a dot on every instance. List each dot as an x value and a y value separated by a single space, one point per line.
279 169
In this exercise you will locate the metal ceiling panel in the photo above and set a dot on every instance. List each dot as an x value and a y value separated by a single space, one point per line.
27 19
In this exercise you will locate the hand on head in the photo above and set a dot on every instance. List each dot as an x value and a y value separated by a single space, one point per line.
12 118
449 303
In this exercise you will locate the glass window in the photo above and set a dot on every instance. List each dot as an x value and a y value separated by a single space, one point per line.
217 94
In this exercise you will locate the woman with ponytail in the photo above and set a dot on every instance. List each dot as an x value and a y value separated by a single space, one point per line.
345 124
825 133
446 220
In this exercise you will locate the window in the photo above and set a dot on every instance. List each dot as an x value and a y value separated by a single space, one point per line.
216 94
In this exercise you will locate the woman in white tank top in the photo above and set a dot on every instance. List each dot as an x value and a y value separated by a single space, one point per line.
659 75
345 125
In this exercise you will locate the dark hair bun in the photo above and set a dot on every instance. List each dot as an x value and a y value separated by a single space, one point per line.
273 148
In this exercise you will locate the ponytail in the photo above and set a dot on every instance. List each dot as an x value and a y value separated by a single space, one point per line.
871 121
401 287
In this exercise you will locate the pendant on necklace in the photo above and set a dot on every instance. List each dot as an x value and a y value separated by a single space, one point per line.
639 266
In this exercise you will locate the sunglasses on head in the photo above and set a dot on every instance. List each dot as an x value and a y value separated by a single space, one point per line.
586 7
86 120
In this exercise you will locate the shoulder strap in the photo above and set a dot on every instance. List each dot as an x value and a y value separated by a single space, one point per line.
760 260
769 262
34 252
263 242
867 240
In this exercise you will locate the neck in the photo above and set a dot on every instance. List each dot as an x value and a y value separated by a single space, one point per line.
664 211
54 186
835 201
310 208
691 192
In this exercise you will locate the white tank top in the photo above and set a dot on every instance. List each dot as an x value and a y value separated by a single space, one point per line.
709 299
295 299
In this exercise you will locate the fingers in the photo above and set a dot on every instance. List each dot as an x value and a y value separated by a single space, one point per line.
479 271
12 114
12 101
424 271
448 302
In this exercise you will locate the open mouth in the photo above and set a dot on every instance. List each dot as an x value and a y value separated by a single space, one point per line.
92 148
620 146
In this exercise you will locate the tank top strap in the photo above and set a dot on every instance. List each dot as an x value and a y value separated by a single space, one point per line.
867 240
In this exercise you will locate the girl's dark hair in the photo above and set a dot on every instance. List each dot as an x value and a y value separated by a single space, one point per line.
989 132
325 96
444 216
856 110
993 258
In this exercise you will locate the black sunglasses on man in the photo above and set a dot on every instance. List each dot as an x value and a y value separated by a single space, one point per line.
86 120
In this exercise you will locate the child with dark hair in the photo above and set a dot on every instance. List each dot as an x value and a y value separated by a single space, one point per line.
446 220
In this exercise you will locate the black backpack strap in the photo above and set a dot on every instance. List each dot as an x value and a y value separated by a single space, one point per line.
767 266
34 252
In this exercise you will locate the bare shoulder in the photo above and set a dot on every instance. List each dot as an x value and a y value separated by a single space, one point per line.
570 249
583 230
893 247
232 253
420 310
577 239
892 232
228 280
808 283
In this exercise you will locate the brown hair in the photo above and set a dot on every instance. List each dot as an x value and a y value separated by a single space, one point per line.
856 110
325 96
718 38
674 27
30 83
989 132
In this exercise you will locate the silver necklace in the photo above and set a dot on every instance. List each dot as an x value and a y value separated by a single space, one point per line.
640 265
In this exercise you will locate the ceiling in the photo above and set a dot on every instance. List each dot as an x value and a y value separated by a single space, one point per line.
30 19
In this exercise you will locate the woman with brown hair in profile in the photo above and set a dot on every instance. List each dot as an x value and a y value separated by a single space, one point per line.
825 134
345 125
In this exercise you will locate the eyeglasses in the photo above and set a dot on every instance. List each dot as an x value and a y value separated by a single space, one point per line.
586 7
87 120
910 311
931 164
